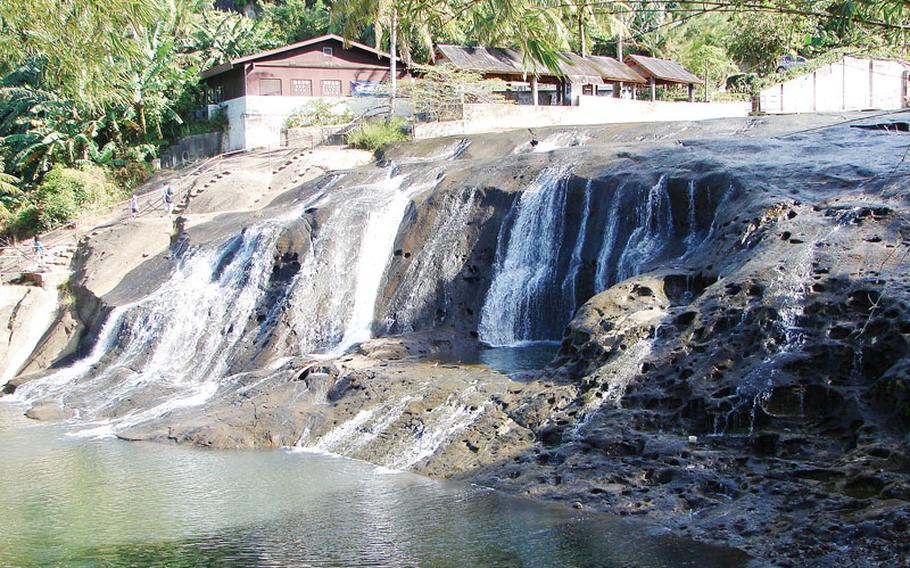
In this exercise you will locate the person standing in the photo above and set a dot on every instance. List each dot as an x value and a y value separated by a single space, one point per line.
168 196
38 250
134 207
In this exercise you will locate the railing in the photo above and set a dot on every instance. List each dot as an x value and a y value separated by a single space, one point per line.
15 256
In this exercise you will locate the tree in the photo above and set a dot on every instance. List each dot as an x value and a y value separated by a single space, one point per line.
296 20
406 22
761 39
82 42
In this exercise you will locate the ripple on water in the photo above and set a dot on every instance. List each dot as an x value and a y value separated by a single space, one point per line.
78 501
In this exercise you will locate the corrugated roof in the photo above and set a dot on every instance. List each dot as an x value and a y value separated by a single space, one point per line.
218 69
664 70
580 70
485 59
614 70
507 61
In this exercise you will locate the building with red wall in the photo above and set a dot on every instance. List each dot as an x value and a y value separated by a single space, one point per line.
259 92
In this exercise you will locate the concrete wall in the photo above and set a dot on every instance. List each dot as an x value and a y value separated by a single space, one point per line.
849 84
590 110
192 148
261 122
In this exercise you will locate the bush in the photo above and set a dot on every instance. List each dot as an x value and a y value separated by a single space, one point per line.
66 192
742 83
25 223
131 174
320 113
375 134
217 123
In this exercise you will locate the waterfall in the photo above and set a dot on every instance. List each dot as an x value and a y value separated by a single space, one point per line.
569 284
172 348
334 296
652 232
438 263
616 375
375 250
436 428
521 289
602 277
692 239
179 345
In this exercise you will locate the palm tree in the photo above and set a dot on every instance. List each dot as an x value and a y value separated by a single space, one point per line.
407 23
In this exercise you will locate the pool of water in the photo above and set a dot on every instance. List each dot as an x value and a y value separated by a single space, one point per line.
511 360
70 501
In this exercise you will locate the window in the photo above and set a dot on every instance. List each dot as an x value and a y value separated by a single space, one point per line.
327 51
331 88
270 87
216 95
301 88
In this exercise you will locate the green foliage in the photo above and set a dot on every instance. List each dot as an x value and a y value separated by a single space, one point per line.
319 112
220 36
742 83
374 134
711 62
131 175
25 223
761 39
297 20
217 123
67 191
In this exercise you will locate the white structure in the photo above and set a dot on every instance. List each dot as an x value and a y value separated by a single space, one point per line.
590 110
261 121
849 84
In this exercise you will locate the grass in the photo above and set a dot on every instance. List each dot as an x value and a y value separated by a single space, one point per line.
375 134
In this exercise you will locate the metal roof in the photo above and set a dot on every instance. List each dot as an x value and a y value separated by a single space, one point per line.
227 66
486 59
507 61
615 70
664 70
580 70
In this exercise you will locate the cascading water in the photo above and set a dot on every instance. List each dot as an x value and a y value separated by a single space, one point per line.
173 348
179 345
438 263
523 285
334 295
653 230
605 256
568 285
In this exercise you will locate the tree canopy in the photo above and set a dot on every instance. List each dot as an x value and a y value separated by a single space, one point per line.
105 84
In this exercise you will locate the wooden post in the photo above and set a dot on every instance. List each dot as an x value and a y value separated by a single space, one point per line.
534 91
653 89
617 89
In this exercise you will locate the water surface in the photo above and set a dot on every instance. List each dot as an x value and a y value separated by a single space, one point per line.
73 501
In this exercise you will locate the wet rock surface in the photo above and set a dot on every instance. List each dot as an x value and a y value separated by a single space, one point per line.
730 298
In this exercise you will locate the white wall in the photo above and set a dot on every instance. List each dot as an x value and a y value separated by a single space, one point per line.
261 122
590 110
850 84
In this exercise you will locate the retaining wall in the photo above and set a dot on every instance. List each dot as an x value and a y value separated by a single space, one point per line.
590 110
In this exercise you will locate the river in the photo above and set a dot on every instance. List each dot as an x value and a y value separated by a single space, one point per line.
76 501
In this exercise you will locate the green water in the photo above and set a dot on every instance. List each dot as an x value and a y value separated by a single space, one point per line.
71 501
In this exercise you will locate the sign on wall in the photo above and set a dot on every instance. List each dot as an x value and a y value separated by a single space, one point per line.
365 89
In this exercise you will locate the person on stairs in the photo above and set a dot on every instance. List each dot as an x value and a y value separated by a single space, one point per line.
168 196
134 207
38 250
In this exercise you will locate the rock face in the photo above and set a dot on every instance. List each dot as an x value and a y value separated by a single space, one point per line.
730 300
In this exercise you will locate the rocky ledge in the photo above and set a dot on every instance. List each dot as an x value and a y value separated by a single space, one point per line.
733 366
